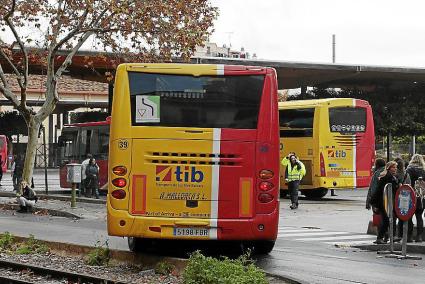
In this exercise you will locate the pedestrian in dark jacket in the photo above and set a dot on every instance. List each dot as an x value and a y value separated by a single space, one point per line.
415 169
402 176
17 172
92 178
377 200
377 170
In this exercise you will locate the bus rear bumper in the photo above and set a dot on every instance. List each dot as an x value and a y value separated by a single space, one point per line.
261 227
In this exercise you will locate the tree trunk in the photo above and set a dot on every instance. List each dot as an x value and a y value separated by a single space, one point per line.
33 130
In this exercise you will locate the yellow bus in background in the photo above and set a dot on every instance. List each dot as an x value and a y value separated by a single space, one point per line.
194 154
334 138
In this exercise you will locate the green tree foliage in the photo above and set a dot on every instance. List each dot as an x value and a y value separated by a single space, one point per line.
398 110
144 31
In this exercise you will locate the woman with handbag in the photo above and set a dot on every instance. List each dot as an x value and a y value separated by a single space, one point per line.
389 175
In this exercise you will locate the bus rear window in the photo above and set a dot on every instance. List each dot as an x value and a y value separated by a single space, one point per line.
188 101
347 119
296 122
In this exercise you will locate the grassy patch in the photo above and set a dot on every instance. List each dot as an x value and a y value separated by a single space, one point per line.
6 241
164 268
202 269
31 245
100 256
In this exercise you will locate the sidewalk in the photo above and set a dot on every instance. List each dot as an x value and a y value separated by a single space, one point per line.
60 205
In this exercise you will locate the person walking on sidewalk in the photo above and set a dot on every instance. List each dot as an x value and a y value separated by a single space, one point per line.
377 170
84 164
416 171
92 179
377 200
296 171
26 198
18 170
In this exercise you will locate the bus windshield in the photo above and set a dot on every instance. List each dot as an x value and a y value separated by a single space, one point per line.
189 101
296 122
347 119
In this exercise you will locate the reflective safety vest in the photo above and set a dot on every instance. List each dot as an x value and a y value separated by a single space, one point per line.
293 172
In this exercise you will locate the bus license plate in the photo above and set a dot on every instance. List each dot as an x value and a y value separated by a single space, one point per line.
191 232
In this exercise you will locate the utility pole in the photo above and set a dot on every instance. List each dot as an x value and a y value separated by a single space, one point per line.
333 48
229 34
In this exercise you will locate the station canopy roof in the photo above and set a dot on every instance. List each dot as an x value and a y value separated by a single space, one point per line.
293 75
92 66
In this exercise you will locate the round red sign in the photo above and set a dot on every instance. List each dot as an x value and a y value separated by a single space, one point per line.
405 202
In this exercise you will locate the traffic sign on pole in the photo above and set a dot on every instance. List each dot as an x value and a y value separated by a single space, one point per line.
405 202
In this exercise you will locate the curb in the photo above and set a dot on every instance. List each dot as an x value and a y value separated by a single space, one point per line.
285 278
51 212
58 197
117 255
411 248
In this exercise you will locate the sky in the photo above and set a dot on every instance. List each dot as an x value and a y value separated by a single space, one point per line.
368 32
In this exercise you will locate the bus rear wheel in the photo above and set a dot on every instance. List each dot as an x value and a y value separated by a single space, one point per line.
263 247
137 244
315 193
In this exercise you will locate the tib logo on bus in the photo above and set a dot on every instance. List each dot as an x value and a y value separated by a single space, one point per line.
179 174
337 154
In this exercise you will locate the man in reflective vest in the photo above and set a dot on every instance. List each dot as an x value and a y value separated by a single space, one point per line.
295 171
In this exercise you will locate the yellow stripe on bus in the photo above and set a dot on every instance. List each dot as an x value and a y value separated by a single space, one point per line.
196 70
245 197
139 194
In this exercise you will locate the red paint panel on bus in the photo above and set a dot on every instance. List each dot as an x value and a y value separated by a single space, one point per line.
365 149
243 70
3 152
241 154
263 154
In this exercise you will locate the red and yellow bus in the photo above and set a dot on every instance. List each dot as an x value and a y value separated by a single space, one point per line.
79 139
194 154
334 138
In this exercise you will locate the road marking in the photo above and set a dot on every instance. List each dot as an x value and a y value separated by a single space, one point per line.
311 234
352 237
352 242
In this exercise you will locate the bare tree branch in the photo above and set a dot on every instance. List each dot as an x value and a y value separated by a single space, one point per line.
5 89
22 47
74 50
58 14
15 70
72 33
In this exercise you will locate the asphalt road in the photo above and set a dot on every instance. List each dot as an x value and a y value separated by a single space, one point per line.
314 243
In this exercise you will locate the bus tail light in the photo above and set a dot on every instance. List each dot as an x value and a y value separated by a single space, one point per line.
118 194
265 197
265 185
119 170
266 174
119 182
322 166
